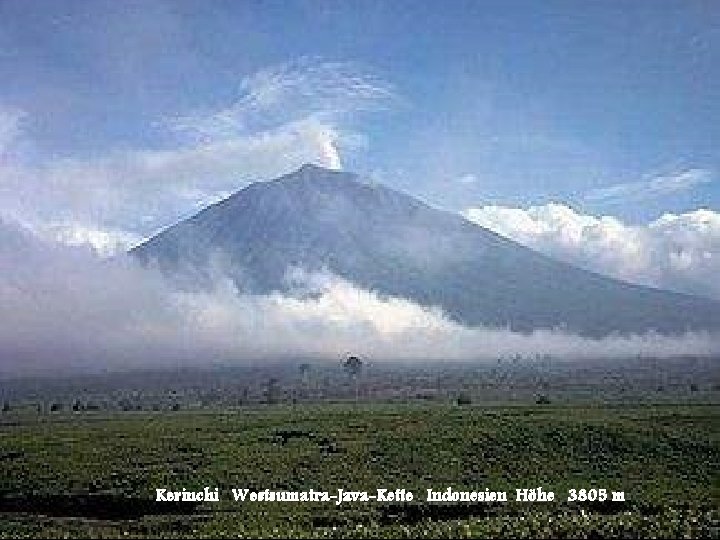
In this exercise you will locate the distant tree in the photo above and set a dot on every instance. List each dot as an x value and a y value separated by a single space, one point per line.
464 399
77 405
543 399
125 404
353 367
6 406
272 392
693 387
305 370
55 407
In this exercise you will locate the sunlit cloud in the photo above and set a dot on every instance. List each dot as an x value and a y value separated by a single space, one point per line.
676 251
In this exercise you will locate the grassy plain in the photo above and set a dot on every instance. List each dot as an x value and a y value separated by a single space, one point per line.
94 473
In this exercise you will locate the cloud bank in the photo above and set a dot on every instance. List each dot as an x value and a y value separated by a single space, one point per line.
285 116
679 252
65 309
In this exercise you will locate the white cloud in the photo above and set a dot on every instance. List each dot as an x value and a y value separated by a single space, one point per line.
307 91
10 123
652 187
137 192
287 115
678 252
291 92
467 179
63 308
106 242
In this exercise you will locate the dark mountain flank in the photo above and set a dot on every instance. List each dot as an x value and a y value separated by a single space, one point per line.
392 243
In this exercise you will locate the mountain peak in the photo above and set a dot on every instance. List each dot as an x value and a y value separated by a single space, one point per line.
314 167
313 174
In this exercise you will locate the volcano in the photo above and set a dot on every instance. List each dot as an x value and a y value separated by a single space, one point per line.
322 220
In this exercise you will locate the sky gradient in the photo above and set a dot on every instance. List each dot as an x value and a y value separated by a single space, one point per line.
535 100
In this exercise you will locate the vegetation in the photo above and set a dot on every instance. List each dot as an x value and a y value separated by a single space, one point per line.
92 473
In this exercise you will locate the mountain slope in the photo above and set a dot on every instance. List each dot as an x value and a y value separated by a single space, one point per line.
387 241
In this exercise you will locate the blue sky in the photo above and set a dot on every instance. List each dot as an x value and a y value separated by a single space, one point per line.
610 107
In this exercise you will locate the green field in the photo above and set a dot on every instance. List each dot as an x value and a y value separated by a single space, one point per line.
95 474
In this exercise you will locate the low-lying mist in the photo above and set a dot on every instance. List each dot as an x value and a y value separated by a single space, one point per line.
66 309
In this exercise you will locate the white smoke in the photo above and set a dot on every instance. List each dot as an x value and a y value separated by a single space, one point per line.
325 139
331 156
